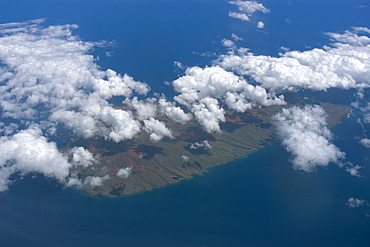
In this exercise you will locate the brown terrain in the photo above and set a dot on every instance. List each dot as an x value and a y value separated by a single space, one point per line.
169 161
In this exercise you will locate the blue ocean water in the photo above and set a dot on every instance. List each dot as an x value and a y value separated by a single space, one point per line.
254 201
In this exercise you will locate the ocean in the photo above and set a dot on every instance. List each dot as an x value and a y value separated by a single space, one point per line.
255 201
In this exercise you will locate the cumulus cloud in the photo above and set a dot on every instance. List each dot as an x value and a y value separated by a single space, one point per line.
240 16
29 152
48 79
157 129
144 109
209 113
305 135
124 172
49 75
355 203
365 142
202 90
345 64
173 112
81 156
260 24
227 43
250 7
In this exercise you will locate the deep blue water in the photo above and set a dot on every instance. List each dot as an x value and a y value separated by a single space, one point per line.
255 201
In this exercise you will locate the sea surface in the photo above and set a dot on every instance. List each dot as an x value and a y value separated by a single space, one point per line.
253 201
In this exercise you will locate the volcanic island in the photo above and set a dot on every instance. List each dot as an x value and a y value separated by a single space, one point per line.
191 152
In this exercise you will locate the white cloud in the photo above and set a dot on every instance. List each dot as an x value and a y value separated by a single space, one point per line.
201 82
236 37
81 156
157 129
216 82
305 135
179 65
354 170
240 16
28 152
173 112
208 113
121 125
202 90
117 85
260 24
345 64
184 157
74 181
365 142
144 109
351 37
48 79
227 43
48 74
355 203
124 172
203 144
250 7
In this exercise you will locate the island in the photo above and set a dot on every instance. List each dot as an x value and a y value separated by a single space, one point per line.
191 152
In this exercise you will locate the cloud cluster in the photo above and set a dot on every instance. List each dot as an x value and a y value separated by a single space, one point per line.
305 135
205 90
157 129
248 8
49 80
355 203
48 75
345 64
28 151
